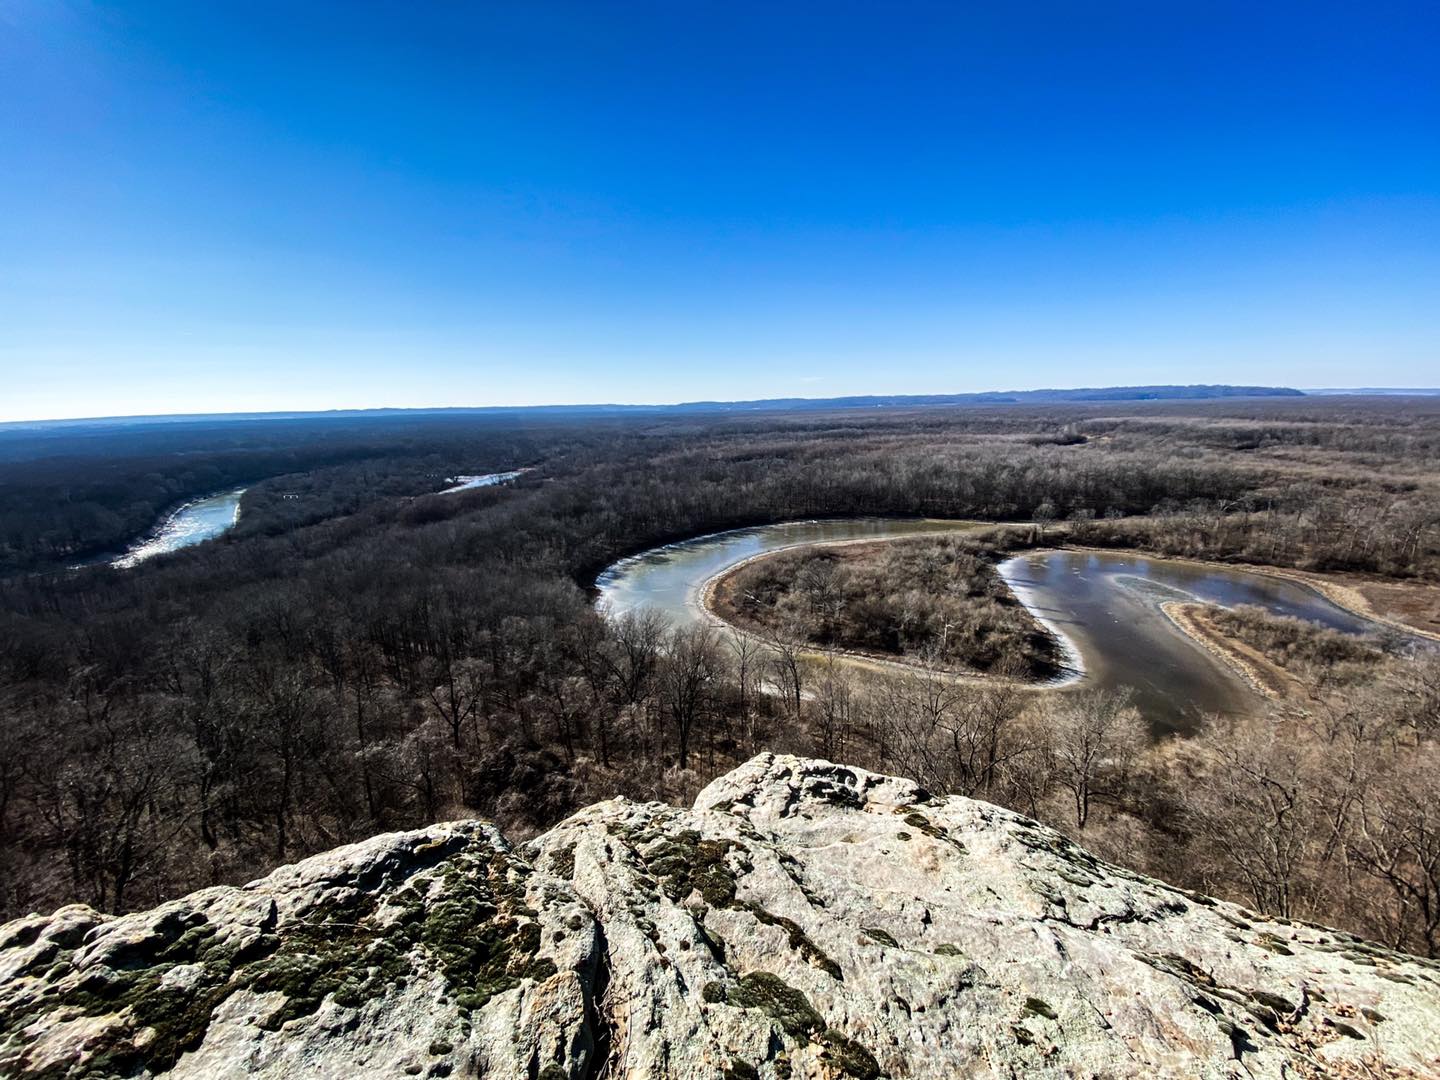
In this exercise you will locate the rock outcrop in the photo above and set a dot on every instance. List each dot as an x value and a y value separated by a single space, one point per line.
803 920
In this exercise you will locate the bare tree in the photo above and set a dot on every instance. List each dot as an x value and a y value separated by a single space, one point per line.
111 803
457 689
570 706
285 718
978 731
1255 803
692 665
420 764
621 663
1420 686
785 661
1396 841
1095 738
17 742
747 654
918 709
834 710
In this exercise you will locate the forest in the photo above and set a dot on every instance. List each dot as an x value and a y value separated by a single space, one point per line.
361 655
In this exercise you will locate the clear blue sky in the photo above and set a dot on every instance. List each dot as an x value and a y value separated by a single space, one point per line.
235 206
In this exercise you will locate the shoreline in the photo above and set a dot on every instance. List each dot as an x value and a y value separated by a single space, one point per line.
476 481
124 559
613 569
1258 674
1264 677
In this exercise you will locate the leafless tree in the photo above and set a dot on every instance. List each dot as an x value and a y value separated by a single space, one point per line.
113 809
918 707
980 730
834 719
1256 803
1396 841
692 666
1095 736
785 656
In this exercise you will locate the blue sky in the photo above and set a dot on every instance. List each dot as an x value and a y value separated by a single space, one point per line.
226 206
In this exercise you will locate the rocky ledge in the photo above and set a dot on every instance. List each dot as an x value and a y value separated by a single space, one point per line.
803 920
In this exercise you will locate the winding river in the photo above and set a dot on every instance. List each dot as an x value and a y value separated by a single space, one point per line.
670 578
1105 606
207 518
203 519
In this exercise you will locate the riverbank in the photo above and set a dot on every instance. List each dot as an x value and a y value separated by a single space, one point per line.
1104 606
1267 678
715 606
1187 619
717 598
481 480
1401 605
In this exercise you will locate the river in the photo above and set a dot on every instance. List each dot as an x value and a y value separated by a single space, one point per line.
1105 606
207 518
469 483
670 578
203 519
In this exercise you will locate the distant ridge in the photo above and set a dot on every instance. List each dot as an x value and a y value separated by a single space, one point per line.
1378 391
1001 397
796 404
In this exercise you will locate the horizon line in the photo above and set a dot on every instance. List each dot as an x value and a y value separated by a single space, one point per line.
977 397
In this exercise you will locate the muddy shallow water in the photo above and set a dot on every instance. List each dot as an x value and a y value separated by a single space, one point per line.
1105 606
1108 606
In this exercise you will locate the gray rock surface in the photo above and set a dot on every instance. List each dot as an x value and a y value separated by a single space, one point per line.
803 920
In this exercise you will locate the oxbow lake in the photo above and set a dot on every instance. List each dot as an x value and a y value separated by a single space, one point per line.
1107 607
1104 606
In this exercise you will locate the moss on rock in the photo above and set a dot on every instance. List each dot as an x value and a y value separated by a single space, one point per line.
1039 1007
465 919
777 999
849 1056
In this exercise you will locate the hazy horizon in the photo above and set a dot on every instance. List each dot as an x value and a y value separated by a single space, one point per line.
208 209
1359 391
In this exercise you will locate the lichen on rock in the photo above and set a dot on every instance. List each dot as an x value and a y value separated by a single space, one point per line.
777 930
